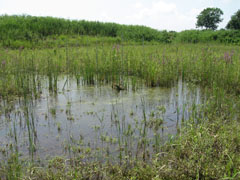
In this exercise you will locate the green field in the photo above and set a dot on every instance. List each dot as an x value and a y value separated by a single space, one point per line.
205 145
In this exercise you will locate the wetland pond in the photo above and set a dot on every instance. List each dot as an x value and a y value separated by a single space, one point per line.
81 115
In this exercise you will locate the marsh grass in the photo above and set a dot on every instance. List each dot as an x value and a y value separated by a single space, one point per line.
206 146
214 66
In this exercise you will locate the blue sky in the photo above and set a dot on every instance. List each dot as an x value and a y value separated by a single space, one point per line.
174 15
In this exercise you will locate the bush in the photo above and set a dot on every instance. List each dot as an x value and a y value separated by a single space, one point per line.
203 36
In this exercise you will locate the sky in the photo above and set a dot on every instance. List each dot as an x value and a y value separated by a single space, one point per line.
176 15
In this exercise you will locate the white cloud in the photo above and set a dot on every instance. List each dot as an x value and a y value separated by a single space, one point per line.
163 15
138 5
156 8
226 1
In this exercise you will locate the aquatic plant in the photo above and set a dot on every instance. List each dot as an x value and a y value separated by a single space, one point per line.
207 137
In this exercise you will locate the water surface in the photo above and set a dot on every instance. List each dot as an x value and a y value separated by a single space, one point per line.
76 112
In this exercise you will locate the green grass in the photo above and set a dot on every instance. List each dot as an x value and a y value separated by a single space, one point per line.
207 146
214 66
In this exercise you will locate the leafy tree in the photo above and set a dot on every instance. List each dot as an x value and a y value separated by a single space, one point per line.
209 18
234 23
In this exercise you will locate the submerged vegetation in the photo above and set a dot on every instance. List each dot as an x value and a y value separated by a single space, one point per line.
48 55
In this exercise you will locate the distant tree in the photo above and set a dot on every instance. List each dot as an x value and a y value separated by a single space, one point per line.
209 18
234 23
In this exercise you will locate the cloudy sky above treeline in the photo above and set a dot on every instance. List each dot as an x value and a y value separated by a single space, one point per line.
174 15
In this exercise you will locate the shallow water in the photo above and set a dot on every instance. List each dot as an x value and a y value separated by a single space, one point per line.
54 121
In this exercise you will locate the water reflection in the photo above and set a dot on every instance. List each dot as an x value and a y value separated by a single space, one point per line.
44 126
